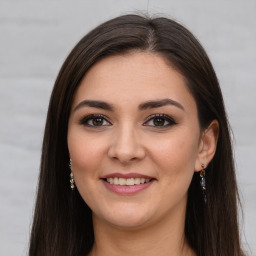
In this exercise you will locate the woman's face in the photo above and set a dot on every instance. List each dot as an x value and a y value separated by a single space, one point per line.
134 140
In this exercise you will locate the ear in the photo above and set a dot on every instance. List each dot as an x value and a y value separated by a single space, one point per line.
207 145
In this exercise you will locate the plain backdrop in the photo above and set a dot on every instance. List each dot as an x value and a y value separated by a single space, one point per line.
35 38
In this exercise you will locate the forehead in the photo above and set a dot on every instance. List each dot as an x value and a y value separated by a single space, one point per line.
133 77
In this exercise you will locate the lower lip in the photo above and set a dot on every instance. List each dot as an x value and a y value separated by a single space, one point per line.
127 190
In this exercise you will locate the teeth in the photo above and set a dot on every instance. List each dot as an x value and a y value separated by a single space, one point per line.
127 182
130 182
121 181
137 181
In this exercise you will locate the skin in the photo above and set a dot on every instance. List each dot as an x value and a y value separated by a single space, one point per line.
131 140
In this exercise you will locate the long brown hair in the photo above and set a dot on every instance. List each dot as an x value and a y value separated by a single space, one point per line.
62 220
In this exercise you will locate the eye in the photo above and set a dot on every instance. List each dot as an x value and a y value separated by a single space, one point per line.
159 121
95 121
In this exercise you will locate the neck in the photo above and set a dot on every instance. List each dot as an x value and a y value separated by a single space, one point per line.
164 238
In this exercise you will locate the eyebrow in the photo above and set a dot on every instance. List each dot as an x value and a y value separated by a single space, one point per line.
160 103
95 104
142 106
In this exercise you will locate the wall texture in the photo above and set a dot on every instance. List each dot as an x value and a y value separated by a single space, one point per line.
36 36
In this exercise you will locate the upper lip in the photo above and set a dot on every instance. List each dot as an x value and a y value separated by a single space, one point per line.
126 176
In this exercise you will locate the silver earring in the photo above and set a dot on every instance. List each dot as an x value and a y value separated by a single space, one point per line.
203 182
72 181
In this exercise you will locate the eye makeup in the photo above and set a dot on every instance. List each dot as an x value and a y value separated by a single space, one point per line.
155 120
159 121
95 120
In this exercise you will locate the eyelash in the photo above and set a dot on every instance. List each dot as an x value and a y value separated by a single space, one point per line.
162 117
85 121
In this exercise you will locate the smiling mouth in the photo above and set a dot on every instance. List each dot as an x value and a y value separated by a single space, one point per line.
127 182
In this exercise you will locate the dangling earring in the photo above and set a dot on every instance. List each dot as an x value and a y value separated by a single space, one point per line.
72 181
203 182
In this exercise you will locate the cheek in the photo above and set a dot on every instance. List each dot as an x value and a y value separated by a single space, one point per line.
176 151
85 152
175 158
87 156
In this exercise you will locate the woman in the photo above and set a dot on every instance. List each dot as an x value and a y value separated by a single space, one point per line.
137 157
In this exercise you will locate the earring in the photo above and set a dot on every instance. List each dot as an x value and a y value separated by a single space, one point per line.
72 181
203 182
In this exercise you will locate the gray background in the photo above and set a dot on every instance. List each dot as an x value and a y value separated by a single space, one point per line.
35 38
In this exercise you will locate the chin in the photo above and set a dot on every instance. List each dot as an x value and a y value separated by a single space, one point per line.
127 223
126 219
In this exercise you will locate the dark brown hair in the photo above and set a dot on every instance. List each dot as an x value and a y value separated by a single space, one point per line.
62 220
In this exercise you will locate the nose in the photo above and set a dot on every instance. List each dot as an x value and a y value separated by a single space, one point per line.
126 146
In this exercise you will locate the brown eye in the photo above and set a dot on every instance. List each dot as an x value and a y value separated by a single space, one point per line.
95 121
159 121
